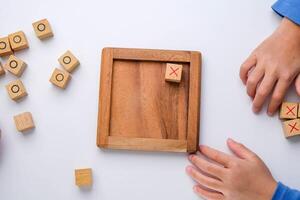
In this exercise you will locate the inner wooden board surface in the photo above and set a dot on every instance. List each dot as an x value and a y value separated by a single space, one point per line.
144 105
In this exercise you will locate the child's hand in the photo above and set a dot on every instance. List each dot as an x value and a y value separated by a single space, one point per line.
273 66
240 177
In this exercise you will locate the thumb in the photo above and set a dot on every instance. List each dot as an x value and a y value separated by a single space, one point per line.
297 84
240 150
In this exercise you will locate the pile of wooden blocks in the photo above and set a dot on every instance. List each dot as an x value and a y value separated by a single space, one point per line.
290 113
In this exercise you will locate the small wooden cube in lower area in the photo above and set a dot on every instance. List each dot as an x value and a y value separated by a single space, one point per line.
291 128
16 90
42 29
15 65
5 48
60 78
288 110
173 72
18 41
24 121
68 61
2 71
83 177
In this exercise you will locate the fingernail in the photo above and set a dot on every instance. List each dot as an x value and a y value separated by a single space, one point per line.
189 169
191 157
270 113
195 188
255 109
230 140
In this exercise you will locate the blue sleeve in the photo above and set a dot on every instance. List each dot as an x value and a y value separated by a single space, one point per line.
289 9
285 193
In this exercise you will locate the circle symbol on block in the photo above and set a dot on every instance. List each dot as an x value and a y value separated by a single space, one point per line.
67 59
59 77
15 88
41 27
2 45
17 39
13 64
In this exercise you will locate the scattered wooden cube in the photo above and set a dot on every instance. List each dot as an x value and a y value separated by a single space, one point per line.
173 72
42 29
16 90
2 71
288 110
83 177
18 41
5 48
291 128
24 121
60 78
15 65
68 61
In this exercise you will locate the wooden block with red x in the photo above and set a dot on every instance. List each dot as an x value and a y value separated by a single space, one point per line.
173 72
289 110
291 128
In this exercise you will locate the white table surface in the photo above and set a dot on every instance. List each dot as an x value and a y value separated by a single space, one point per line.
40 165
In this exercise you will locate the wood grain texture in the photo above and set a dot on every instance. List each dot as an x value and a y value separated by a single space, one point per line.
104 97
151 55
139 110
146 144
144 105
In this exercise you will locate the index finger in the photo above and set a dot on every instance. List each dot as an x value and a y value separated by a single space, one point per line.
215 155
246 66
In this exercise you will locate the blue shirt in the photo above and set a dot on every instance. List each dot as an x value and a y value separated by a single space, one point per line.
289 9
285 193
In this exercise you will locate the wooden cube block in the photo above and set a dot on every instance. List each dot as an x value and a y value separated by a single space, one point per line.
24 121
15 65
5 48
288 110
2 71
18 41
291 128
68 61
60 78
83 177
42 29
16 90
173 72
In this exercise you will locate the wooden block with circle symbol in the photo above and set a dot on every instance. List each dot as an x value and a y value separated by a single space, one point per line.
15 65
24 121
42 29
60 78
18 41
173 72
288 110
2 71
5 48
16 90
291 128
83 177
68 61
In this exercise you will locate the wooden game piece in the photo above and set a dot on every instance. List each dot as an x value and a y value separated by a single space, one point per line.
288 110
5 48
173 72
60 78
291 128
68 61
18 41
15 65
83 177
16 90
2 71
42 29
24 121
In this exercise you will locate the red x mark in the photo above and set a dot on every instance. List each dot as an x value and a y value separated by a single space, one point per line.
293 127
173 71
290 110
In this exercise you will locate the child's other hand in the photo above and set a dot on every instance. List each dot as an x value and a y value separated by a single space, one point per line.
273 66
240 177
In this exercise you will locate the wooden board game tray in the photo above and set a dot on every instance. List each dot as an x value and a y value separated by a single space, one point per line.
139 110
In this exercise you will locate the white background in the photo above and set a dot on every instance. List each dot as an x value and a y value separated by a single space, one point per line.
40 164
